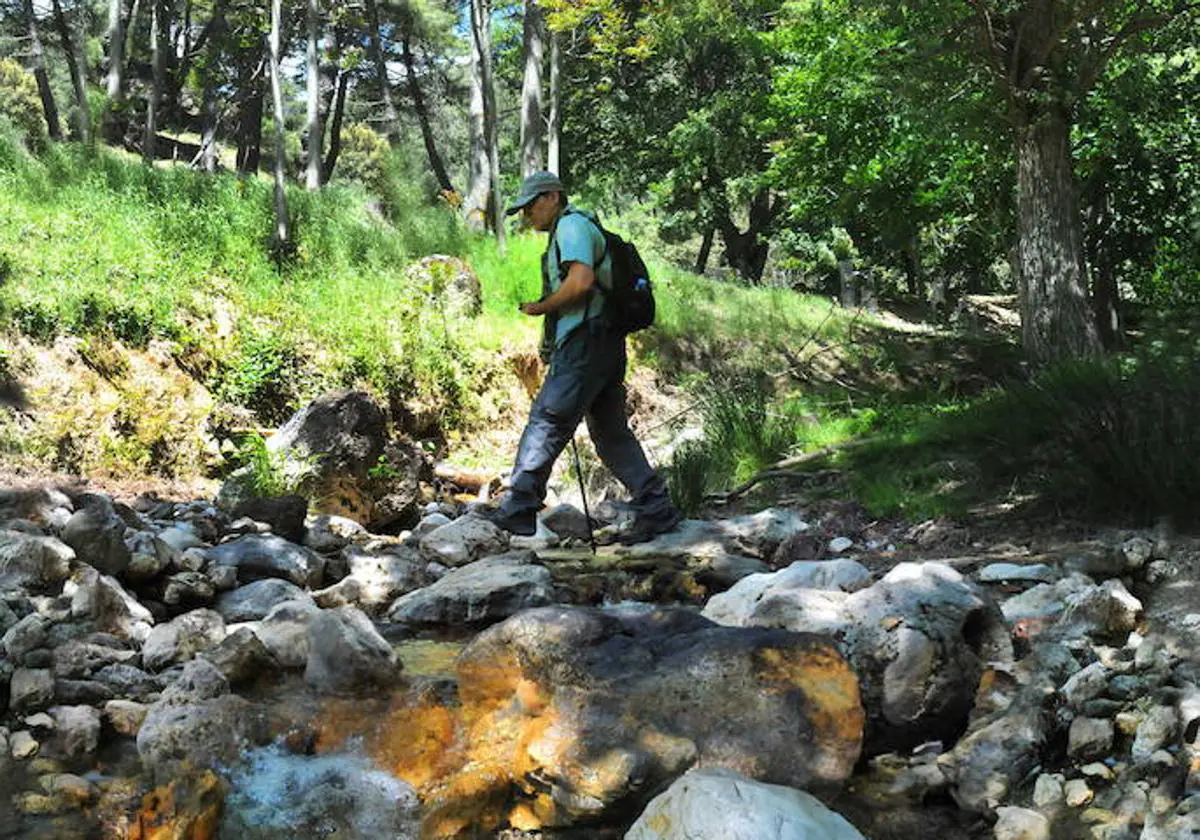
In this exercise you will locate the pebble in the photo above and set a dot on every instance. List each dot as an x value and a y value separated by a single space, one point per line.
1077 793
24 745
839 544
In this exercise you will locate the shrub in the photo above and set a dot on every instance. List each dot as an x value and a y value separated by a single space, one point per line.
20 104
364 155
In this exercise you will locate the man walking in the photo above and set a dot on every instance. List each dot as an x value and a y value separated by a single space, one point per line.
586 379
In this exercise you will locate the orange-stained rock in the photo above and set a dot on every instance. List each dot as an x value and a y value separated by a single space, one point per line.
186 809
572 714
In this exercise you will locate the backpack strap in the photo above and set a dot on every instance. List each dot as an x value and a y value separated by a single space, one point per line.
597 286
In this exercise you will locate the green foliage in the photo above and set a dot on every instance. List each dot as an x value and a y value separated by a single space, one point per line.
20 106
265 473
364 155
95 244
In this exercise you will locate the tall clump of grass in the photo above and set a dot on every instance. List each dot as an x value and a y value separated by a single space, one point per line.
745 431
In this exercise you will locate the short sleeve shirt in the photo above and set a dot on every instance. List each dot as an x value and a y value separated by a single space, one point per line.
579 240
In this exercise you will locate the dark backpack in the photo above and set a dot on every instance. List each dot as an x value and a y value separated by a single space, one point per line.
629 304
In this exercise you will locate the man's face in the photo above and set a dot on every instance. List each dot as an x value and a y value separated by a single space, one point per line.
539 214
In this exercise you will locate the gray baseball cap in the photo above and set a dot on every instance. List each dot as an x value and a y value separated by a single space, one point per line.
532 187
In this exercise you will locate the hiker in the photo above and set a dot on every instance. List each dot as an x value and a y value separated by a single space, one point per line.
586 378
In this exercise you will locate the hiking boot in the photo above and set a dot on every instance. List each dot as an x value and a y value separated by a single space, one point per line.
522 523
644 528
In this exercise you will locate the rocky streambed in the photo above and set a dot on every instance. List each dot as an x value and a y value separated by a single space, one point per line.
171 671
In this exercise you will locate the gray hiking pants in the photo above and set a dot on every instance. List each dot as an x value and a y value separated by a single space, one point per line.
586 381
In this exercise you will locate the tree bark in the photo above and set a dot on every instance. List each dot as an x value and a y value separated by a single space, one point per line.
554 123
250 125
208 130
746 252
314 128
282 237
49 107
158 53
482 26
532 103
414 89
83 117
390 115
341 85
705 250
114 82
475 203
1057 320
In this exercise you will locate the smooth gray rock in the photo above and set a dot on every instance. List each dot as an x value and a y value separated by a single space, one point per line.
463 541
717 804
788 598
254 600
102 600
259 556
346 654
482 592
97 535
284 631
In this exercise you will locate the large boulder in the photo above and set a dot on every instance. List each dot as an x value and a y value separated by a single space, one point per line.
36 564
919 639
258 556
485 591
346 654
284 631
285 514
97 534
715 804
575 714
338 445
197 723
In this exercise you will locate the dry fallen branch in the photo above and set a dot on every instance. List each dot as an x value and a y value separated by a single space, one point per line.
787 469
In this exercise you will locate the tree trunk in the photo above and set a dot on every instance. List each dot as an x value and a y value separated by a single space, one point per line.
414 89
250 126
532 103
313 128
475 203
49 108
747 252
158 51
282 237
553 127
335 125
391 117
83 118
1057 320
482 25
114 87
705 250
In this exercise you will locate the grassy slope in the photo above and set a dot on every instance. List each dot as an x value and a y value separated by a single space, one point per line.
95 245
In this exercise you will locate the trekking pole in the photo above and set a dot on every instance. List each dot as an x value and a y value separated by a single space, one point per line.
583 493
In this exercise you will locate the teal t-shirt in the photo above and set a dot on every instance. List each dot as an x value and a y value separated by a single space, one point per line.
578 240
